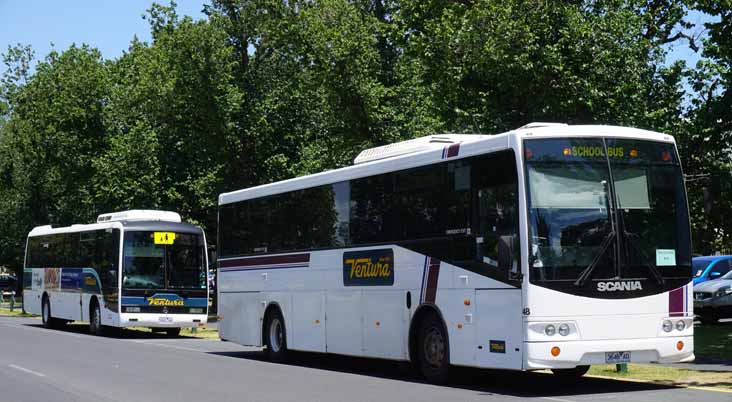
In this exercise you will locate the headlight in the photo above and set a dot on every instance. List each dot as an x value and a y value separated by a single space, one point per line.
564 330
680 325
667 326
549 330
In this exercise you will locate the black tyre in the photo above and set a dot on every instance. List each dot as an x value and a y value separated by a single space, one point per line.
46 313
571 374
433 350
172 332
95 320
275 337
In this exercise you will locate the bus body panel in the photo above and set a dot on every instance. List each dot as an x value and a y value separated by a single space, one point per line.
370 321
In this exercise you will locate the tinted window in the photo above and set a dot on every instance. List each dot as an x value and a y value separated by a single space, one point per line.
459 211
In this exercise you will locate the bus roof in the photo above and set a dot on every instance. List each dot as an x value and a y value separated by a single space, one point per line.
152 226
454 146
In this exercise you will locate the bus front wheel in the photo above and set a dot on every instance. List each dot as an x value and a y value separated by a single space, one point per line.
46 313
172 332
433 350
275 337
572 373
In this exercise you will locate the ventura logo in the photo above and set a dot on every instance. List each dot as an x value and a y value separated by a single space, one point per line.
618 285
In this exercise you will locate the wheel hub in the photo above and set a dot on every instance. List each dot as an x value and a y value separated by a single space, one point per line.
434 347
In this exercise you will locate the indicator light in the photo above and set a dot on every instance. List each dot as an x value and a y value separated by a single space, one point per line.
679 345
567 152
466 302
556 351
528 153
633 153
666 156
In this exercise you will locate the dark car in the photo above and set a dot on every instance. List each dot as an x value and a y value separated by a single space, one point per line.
713 299
8 283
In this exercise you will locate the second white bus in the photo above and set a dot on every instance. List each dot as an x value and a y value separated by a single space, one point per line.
137 268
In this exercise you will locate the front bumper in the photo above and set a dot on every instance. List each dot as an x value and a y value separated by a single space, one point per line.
163 320
581 353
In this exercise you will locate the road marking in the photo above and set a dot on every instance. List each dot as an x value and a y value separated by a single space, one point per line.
556 399
25 370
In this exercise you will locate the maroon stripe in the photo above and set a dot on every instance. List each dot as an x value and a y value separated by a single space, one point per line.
266 260
453 150
433 273
676 302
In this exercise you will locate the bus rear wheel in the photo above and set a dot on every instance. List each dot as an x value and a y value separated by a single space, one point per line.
572 373
275 338
433 350
95 320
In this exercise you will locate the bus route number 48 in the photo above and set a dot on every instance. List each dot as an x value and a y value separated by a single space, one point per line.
617 357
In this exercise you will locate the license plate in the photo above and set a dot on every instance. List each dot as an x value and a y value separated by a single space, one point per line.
165 319
617 357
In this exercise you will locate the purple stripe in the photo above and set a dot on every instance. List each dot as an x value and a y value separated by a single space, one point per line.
263 262
676 302
433 274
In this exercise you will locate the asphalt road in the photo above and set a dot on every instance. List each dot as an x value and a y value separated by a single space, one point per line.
37 364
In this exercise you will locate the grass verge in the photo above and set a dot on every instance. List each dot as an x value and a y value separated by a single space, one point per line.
667 375
15 313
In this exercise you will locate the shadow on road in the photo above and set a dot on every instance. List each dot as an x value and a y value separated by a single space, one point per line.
111 332
486 382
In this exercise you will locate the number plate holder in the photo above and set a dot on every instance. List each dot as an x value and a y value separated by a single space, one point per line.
617 357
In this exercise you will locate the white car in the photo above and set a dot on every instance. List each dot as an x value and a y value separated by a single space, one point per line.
713 299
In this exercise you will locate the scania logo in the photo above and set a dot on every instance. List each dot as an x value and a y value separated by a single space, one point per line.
618 286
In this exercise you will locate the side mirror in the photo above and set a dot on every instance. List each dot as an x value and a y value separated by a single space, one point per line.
212 256
714 274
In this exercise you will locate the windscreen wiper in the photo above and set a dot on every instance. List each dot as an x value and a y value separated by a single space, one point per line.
588 271
636 238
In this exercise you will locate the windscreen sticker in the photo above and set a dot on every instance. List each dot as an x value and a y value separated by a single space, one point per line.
165 238
665 258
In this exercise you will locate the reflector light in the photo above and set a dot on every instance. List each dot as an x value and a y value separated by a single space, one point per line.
679 345
633 153
555 351
466 302
567 152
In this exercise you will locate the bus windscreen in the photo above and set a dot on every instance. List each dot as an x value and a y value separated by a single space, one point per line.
163 260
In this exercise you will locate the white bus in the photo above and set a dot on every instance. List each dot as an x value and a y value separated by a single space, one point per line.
547 247
137 268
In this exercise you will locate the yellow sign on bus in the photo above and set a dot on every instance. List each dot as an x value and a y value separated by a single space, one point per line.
164 238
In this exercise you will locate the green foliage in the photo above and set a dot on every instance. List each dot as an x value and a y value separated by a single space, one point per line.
264 90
